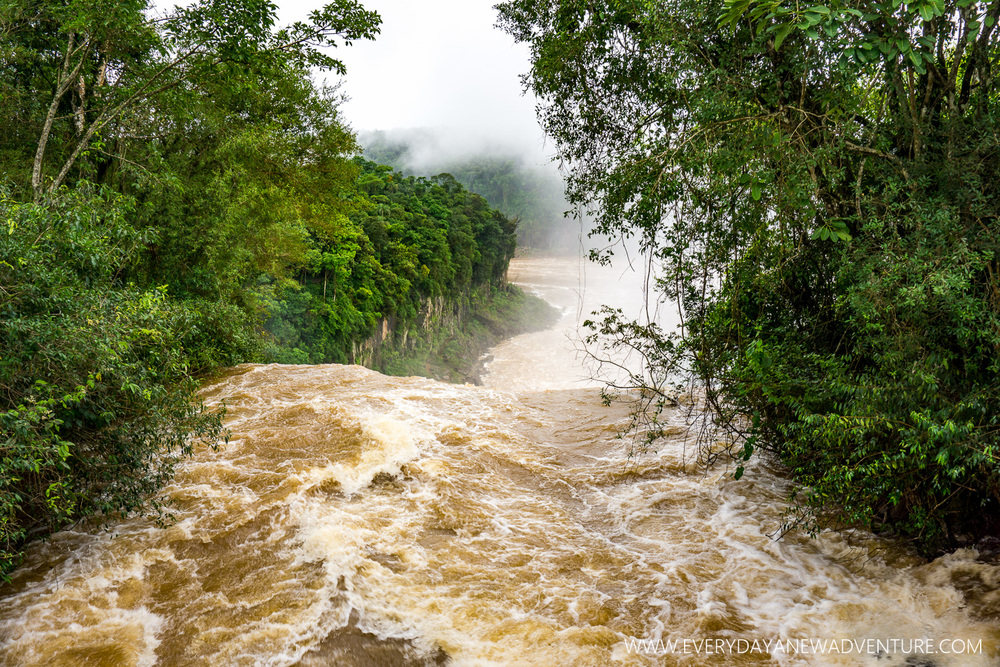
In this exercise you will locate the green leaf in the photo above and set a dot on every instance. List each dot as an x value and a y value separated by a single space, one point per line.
781 33
974 28
734 11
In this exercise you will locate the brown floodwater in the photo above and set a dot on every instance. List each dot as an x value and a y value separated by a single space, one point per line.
356 519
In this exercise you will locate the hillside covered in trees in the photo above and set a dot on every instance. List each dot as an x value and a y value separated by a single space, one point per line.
422 266
172 185
521 187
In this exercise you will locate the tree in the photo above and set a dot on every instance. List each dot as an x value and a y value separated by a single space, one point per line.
96 401
109 63
159 168
818 183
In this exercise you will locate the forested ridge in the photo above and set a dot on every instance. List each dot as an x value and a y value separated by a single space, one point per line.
422 261
817 183
533 194
172 185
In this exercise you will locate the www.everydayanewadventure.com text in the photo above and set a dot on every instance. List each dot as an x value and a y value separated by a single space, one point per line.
866 646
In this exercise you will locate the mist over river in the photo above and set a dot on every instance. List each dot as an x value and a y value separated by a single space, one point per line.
356 519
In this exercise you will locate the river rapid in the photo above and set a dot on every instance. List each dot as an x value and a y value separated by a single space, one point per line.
356 519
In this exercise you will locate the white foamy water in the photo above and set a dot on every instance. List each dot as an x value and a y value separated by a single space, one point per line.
356 519
557 358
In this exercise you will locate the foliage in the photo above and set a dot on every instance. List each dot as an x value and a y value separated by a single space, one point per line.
417 239
818 183
257 174
84 74
96 399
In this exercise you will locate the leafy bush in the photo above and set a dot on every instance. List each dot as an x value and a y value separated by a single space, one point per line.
96 400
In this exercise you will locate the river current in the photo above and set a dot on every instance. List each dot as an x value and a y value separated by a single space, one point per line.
356 519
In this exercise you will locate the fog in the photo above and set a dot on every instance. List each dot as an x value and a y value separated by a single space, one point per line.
441 64
433 147
442 80
438 64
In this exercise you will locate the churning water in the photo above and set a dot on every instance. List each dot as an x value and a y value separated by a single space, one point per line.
356 519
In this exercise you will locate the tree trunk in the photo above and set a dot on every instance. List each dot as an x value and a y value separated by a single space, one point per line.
66 79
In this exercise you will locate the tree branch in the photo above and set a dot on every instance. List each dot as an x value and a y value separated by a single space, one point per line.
63 84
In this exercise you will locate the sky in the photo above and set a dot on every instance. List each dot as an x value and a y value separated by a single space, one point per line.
437 64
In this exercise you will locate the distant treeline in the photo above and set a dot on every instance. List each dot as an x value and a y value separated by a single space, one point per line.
531 193
170 185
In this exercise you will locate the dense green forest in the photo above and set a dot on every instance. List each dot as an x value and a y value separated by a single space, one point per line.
533 194
425 259
172 184
819 183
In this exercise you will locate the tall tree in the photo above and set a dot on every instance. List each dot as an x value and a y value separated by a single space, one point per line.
171 162
100 66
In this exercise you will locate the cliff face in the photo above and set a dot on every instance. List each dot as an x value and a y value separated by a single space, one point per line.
437 315
448 337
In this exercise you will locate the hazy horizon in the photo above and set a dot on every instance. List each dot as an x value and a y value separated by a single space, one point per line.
441 65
